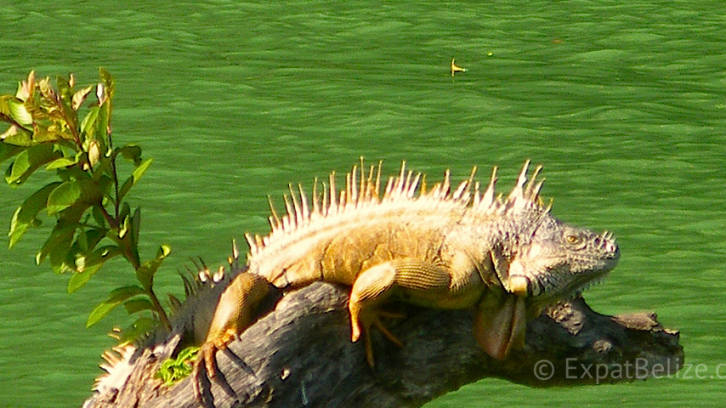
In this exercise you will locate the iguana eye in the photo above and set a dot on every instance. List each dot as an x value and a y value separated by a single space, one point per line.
572 239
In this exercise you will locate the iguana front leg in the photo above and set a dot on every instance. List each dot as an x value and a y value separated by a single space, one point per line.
500 319
236 310
422 283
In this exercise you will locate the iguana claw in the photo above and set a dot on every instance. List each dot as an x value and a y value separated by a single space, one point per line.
363 323
206 365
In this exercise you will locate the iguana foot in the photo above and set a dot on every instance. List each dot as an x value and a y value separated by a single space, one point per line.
206 365
362 323
425 283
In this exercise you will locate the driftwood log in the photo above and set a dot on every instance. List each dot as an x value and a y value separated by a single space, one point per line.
300 355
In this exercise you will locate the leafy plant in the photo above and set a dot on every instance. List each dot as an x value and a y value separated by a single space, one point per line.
173 370
93 221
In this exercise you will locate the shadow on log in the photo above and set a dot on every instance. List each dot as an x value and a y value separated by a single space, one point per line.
300 355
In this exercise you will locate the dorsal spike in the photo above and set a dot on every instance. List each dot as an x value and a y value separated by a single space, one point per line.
477 197
460 190
362 188
333 194
202 263
463 192
250 242
389 187
446 186
414 185
436 191
369 189
235 249
378 178
533 192
398 188
488 197
296 206
471 181
529 192
304 210
406 186
289 208
273 214
315 197
353 181
518 191
549 206
423 185
219 275
326 200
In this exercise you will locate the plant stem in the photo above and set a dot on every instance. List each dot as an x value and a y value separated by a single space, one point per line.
163 318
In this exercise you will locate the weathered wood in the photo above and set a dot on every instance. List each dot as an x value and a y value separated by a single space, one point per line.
300 355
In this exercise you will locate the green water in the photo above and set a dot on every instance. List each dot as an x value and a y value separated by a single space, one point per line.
623 102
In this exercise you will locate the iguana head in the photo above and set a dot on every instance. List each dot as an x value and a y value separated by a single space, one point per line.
537 259
543 259
558 261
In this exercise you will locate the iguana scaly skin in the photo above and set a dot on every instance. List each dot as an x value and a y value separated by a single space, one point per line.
433 247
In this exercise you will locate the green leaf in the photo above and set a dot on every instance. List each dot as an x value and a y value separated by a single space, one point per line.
64 88
163 252
79 279
19 113
141 326
87 266
62 163
8 150
125 210
138 305
25 215
73 192
145 273
130 152
102 129
88 126
60 239
5 109
29 160
105 184
97 214
80 96
172 370
108 81
134 178
124 216
18 136
124 228
115 298
88 239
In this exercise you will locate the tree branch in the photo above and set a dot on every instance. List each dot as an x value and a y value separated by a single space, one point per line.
301 355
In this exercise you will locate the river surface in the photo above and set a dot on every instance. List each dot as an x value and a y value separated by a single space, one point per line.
623 102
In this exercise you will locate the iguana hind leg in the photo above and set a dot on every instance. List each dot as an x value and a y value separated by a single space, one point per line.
237 309
419 282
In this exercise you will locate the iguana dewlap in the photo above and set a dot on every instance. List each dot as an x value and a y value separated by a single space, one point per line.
433 247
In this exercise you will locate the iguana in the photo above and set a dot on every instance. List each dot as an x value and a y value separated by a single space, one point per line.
435 247
438 247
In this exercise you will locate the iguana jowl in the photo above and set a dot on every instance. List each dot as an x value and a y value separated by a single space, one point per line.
434 247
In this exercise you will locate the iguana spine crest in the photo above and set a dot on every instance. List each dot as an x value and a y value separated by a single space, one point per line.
363 192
